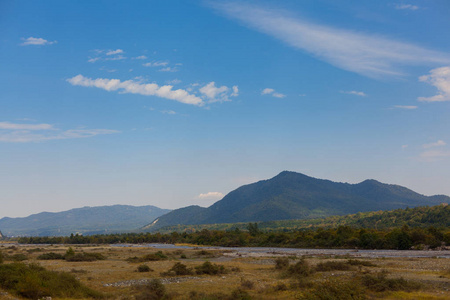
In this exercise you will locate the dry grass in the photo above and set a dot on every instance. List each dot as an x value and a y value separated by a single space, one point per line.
255 276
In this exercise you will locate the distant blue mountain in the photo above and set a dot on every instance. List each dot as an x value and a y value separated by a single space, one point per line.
86 220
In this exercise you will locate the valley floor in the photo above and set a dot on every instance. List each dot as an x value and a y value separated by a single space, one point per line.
245 274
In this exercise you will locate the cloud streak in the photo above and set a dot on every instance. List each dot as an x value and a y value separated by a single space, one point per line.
208 93
269 91
365 54
32 41
25 133
134 87
211 195
356 93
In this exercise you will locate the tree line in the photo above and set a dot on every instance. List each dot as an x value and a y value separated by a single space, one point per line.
339 237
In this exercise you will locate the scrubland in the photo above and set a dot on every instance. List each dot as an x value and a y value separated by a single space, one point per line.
111 272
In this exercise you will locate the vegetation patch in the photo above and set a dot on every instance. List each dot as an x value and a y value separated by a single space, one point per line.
35 282
210 269
50 256
381 283
335 289
144 268
300 269
148 257
333 266
154 290
178 269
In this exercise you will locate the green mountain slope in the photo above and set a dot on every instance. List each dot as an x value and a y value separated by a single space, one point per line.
417 217
291 195
86 220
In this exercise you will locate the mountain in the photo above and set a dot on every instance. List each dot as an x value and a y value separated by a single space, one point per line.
291 195
86 220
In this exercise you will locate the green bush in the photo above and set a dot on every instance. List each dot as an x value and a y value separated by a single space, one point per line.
355 262
335 290
143 268
380 283
34 282
299 270
332 266
17 257
84 257
210 269
281 263
178 269
149 257
154 290
50 256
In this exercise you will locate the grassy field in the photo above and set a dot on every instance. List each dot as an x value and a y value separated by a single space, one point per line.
129 273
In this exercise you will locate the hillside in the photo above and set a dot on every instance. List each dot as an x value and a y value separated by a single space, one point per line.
417 217
86 220
291 195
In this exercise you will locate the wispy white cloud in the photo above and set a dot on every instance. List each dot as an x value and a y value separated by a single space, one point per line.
174 81
16 126
218 94
408 107
169 69
93 60
24 133
356 93
134 87
365 54
439 78
114 52
156 64
433 155
36 42
117 57
169 112
406 7
104 55
269 91
439 143
211 195
140 57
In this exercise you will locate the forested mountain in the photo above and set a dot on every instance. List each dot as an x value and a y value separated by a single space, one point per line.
291 195
86 220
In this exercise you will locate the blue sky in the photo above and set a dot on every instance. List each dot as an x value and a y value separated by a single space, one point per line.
173 103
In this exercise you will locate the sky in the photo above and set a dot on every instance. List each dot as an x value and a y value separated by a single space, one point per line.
176 103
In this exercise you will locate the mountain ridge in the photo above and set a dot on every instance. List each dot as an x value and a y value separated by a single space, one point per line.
84 220
291 195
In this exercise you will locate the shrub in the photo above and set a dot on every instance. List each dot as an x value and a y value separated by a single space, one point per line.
380 283
354 262
299 270
281 263
50 256
34 282
149 257
154 290
332 266
247 284
1 257
334 289
210 269
178 269
85 257
143 268
17 257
